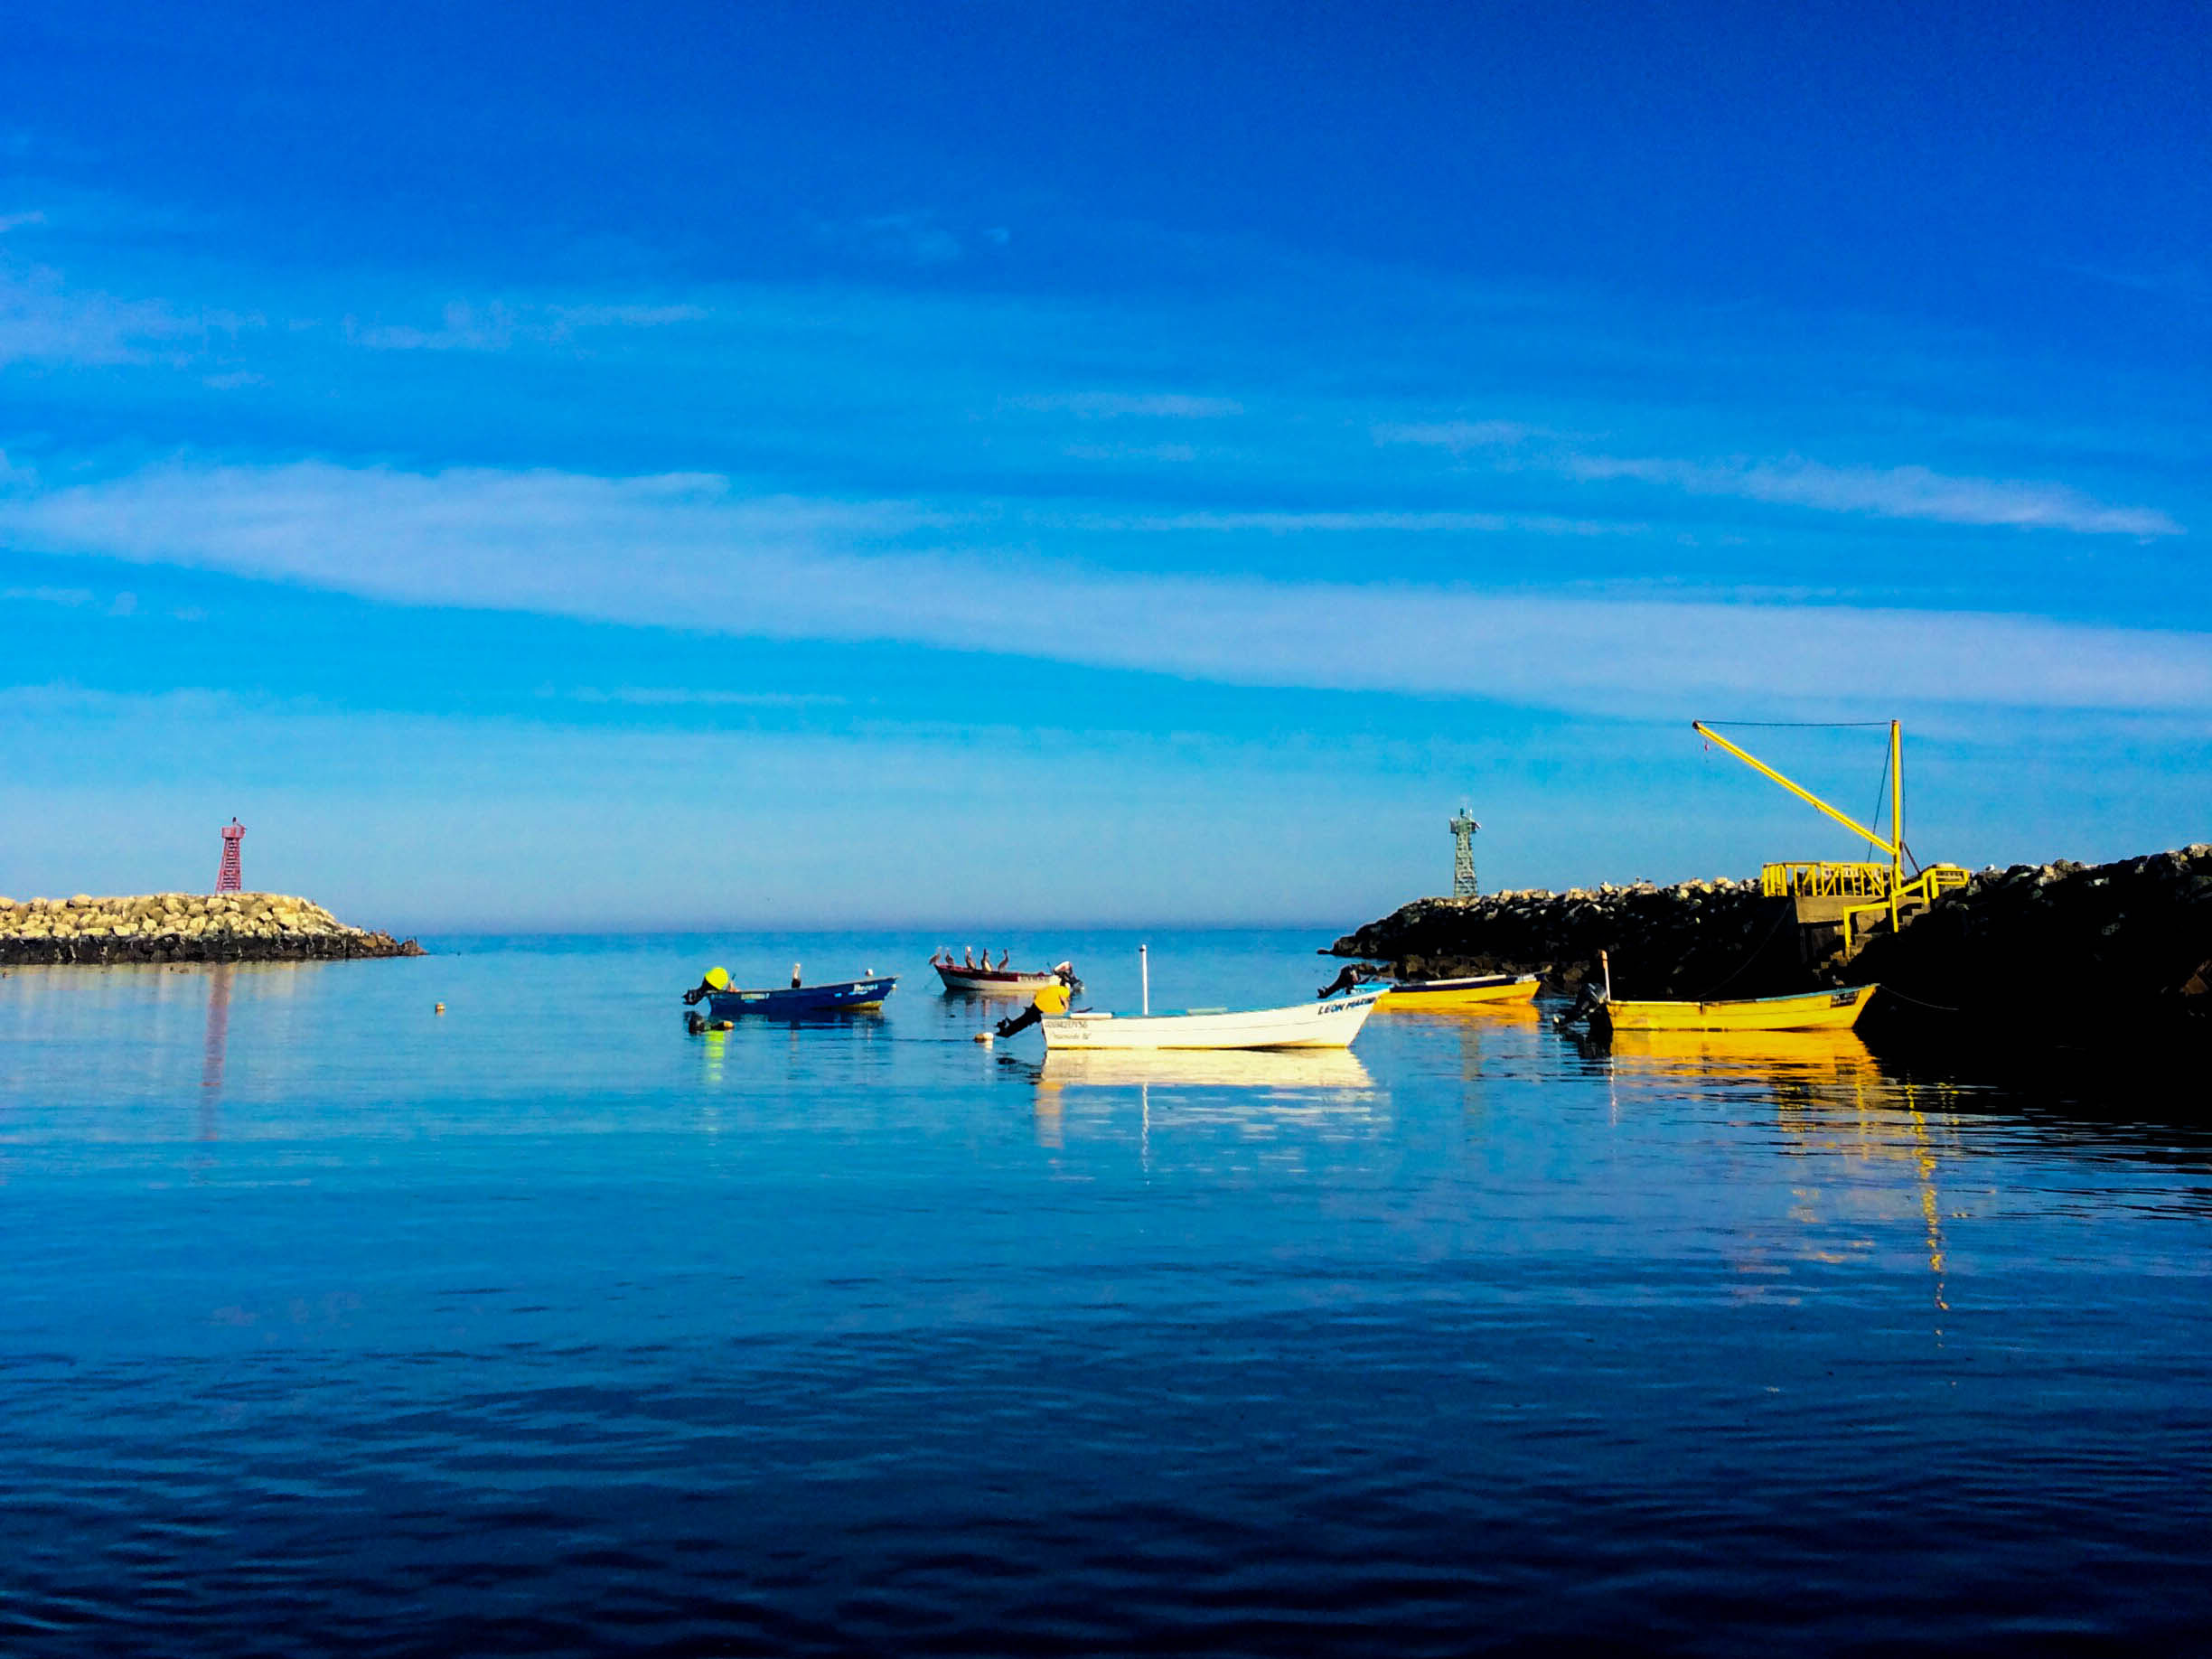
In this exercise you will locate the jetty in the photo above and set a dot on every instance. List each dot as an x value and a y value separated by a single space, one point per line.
184 927
2034 950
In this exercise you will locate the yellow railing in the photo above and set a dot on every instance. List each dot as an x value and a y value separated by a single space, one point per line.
1921 891
1825 881
1944 877
1867 881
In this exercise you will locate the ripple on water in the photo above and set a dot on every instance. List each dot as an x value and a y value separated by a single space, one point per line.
414 1339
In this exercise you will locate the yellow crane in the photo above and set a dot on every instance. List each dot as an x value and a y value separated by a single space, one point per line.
1875 886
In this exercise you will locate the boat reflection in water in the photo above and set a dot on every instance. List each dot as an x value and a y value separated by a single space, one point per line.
1468 1016
1259 1092
1779 1055
1329 1071
1875 1142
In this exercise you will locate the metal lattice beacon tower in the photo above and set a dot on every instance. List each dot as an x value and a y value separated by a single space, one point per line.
1463 828
230 878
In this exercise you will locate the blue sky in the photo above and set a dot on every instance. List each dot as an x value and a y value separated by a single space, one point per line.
834 464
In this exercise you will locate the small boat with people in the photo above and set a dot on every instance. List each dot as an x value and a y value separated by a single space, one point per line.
797 1001
1331 1022
976 978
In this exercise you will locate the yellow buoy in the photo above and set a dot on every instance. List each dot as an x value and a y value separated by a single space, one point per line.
441 1007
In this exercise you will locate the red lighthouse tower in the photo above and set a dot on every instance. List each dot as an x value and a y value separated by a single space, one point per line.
229 879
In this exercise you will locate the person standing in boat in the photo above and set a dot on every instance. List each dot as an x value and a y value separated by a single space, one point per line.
716 979
1053 1000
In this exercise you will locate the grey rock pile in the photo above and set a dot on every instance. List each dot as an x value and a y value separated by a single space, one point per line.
184 927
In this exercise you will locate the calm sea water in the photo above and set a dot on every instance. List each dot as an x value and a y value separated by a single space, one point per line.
330 1324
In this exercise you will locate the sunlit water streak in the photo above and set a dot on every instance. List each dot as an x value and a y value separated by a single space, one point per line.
331 1324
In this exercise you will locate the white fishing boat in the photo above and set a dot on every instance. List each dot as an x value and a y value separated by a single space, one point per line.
1303 1025
1330 1023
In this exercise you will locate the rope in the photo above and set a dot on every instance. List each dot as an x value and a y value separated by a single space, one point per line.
1881 795
1891 990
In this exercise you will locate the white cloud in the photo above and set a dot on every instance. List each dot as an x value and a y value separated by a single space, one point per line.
1460 435
464 327
495 325
1130 452
680 696
1108 405
691 551
568 317
1299 523
44 321
1889 492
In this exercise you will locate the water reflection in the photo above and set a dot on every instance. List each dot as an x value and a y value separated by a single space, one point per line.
1831 1099
1313 1070
1467 1027
1778 1057
213 1048
1901 1127
1257 1092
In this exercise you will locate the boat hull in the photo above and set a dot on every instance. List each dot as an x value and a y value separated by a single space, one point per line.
1331 1023
990 982
803 1001
1811 1011
1488 991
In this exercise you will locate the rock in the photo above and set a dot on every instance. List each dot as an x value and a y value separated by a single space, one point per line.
184 927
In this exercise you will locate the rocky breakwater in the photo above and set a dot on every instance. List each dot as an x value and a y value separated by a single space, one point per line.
184 927
2103 958
2106 958
1718 938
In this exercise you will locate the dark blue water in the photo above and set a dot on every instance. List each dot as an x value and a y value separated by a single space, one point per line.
331 1325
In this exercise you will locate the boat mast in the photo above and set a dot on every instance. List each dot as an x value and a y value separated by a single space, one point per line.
1896 818
1144 973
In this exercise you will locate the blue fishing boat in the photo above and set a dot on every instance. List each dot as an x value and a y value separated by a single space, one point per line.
803 1001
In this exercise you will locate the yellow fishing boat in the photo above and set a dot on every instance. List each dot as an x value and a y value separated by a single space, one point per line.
1485 990
1826 1010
